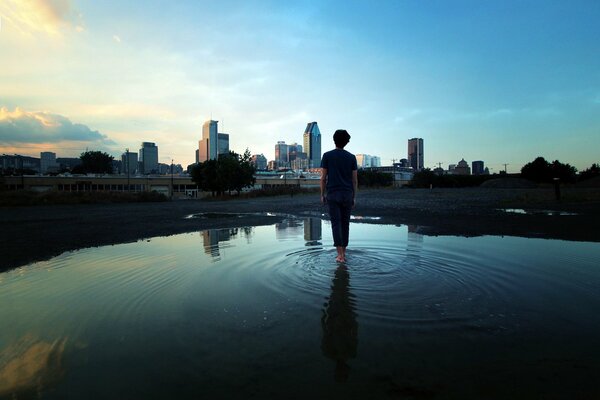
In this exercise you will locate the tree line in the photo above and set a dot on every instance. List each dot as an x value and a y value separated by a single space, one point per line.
230 172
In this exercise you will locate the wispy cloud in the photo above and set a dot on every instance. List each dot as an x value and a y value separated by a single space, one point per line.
116 38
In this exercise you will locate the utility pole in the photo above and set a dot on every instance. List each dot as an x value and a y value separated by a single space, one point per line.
127 158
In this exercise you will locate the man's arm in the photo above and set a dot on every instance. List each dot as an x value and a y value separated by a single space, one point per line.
354 184
323 184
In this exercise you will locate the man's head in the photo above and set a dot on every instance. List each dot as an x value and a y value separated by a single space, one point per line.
341 138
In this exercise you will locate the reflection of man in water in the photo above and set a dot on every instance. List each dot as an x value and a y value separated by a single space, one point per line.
340 329
339 180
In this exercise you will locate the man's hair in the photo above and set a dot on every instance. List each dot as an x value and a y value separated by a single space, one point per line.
341 138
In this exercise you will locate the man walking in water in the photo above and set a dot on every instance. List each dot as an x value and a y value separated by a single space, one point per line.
339 180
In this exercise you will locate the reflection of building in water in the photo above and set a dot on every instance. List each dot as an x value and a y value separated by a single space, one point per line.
340 328
212 237
288 229
414 245
312 229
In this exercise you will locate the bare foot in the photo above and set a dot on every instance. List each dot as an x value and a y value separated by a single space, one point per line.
340 258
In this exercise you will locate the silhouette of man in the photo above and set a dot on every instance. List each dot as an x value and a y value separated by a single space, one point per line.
338 189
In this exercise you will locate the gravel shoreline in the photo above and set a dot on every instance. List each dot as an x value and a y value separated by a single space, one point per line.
29 234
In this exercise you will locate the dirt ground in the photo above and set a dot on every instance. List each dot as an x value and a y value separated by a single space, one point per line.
29 234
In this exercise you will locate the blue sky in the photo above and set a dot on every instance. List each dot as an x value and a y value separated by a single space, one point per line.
502 82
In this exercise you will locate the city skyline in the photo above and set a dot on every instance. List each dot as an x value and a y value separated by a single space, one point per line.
503 82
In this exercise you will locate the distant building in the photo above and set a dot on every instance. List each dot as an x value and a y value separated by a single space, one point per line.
300 162
272 165
259 161
363 161
404 163
312 144
129 163
478 168
415 153
68 163
17 163
48 162
281 154
223 144
148 158
462 168
367 161
451 168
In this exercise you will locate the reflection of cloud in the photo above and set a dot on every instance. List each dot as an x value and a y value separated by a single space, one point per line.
28 365
21 126
38 16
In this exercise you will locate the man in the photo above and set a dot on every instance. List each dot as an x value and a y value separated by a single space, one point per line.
339 180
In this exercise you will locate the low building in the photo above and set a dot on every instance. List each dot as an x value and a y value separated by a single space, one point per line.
462 168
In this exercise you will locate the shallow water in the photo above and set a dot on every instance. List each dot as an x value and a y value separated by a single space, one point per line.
266 312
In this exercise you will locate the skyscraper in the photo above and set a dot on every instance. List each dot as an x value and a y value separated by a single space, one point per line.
208 146
415 153
312 145
281 154
149 158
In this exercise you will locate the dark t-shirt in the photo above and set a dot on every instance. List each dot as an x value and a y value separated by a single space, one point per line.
340 164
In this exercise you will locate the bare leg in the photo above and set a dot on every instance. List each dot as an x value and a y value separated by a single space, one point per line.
341 256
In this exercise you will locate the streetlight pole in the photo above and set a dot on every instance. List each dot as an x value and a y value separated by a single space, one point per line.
127 158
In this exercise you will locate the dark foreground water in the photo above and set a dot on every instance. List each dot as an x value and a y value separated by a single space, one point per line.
265 312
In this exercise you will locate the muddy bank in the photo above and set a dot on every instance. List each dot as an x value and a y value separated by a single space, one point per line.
30 234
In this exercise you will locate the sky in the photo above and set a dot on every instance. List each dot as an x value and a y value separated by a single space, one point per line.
499 81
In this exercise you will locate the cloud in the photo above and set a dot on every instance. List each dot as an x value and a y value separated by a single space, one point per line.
40 16
116 38
38 127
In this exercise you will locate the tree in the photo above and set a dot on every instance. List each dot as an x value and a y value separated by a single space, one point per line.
540 170
95 162
374 178
229 172
591 172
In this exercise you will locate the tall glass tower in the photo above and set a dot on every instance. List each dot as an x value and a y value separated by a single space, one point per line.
312 145
415 153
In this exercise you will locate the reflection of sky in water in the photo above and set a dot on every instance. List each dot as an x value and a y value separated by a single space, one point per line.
265 311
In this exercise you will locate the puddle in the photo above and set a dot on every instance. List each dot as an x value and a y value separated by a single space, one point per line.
536 212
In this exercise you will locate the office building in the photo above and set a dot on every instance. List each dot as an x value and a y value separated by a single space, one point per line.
48 162
129 163
478 168
208 146
223 143
260 162
148 158
415 153
281 154
312 145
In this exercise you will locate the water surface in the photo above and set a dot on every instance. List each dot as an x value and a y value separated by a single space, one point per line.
266 312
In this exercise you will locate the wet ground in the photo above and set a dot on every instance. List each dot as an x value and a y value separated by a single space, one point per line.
30 234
